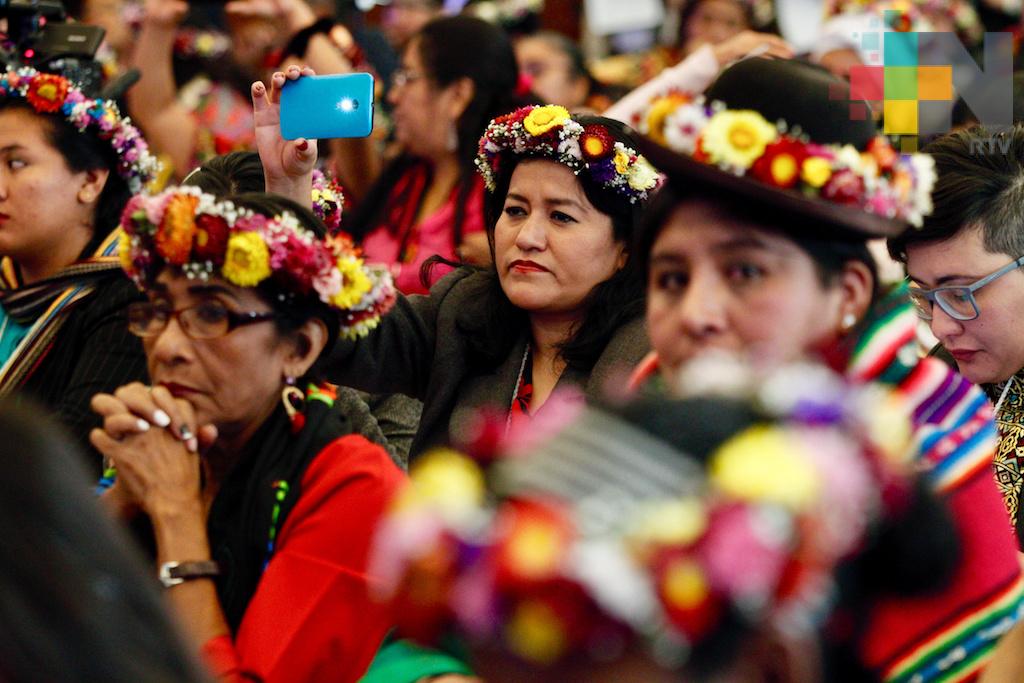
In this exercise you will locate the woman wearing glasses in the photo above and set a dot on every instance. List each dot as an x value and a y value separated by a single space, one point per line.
963 267
768 258
457 74
261 499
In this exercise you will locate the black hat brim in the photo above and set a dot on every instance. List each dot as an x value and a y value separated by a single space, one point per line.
817 218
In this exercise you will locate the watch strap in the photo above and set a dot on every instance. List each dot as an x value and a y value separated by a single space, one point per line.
173 573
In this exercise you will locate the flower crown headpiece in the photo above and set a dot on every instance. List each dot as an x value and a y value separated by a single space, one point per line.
190 230
914 15
878 179
544 558
206 44
54 94
550 132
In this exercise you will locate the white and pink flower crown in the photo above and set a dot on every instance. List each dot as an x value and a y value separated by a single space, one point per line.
878 179
53 94
188 229
550 132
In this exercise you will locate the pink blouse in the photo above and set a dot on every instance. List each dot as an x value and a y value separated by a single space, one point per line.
433 235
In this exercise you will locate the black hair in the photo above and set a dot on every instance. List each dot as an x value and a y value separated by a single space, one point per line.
229 174
453 48
293 311
829 255
77 603
85 151
980 185
612 303
912 551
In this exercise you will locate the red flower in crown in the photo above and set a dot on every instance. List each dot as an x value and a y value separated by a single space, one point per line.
211 238
596 143
780 164
844 187
46 92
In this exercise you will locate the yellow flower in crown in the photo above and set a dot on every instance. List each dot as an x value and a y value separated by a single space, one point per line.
535 633
764 464
816 171
621 160
737 138
247 261
659 111
542 119
354 282
448 480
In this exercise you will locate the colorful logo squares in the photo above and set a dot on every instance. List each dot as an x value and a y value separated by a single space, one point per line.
900 88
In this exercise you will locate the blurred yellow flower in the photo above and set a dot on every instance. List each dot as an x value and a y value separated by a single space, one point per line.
448 480
764 464
535 633
737 138
816 171
684 585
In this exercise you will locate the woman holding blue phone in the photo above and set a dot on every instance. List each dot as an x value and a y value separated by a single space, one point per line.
456 75
561 304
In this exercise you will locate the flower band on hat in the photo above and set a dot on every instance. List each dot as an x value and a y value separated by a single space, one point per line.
878 179
203 237
605 533
550 132
54 94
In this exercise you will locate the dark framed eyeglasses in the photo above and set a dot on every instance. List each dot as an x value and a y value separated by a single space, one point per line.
957 301
206 320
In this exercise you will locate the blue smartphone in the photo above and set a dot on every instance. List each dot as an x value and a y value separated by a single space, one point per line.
332 106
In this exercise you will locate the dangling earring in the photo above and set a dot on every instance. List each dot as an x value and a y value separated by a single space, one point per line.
294 402
452 143
847 323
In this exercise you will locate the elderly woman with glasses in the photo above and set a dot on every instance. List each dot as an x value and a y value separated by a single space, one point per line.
261 498
963 267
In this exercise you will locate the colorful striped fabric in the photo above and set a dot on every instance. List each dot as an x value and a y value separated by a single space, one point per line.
952 635
70 286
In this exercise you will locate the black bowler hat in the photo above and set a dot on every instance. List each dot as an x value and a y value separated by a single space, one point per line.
813 114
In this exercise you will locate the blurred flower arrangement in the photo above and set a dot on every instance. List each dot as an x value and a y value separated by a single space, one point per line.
877 179
545 573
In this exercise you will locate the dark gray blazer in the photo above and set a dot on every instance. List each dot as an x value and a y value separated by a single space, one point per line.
419 351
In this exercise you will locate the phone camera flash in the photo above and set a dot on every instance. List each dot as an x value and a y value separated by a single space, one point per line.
347 104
